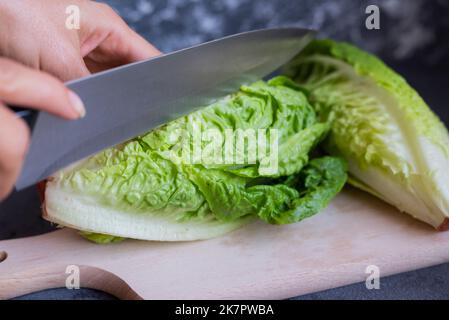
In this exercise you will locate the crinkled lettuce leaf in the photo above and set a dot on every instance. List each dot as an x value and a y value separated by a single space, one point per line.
286 200
153 175
397 148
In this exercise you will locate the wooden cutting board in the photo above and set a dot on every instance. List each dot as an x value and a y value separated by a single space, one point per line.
258 261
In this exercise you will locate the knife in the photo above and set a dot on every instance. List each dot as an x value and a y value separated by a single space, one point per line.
130 100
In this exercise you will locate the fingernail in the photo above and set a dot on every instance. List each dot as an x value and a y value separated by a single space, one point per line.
77 104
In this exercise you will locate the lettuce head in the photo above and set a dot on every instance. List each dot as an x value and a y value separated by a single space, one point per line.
185 181
396 147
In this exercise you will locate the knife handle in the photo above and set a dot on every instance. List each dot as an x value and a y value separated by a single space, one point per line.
28 115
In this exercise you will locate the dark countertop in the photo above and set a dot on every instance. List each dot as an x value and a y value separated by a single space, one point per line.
410 40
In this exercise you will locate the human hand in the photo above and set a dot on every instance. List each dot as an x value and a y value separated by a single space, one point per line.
20 85
34 32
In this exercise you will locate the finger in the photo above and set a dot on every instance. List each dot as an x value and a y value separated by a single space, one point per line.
68 65
23 86
121 44
137 48
14 139
78 70
66 68
115 38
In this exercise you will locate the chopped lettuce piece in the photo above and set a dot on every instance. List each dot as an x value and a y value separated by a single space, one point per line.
100 238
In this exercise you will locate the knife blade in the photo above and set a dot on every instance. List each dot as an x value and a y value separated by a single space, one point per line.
130 100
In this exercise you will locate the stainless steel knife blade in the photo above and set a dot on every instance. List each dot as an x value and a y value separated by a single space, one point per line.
130 100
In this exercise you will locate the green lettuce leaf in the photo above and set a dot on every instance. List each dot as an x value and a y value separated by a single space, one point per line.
397 148
160 178
285 200
100 238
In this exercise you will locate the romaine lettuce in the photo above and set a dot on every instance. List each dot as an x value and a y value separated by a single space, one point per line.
396 147
155 187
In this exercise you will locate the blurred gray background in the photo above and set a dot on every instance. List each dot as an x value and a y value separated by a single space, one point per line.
413 38
409 28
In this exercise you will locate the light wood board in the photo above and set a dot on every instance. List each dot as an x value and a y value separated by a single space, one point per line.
258 261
